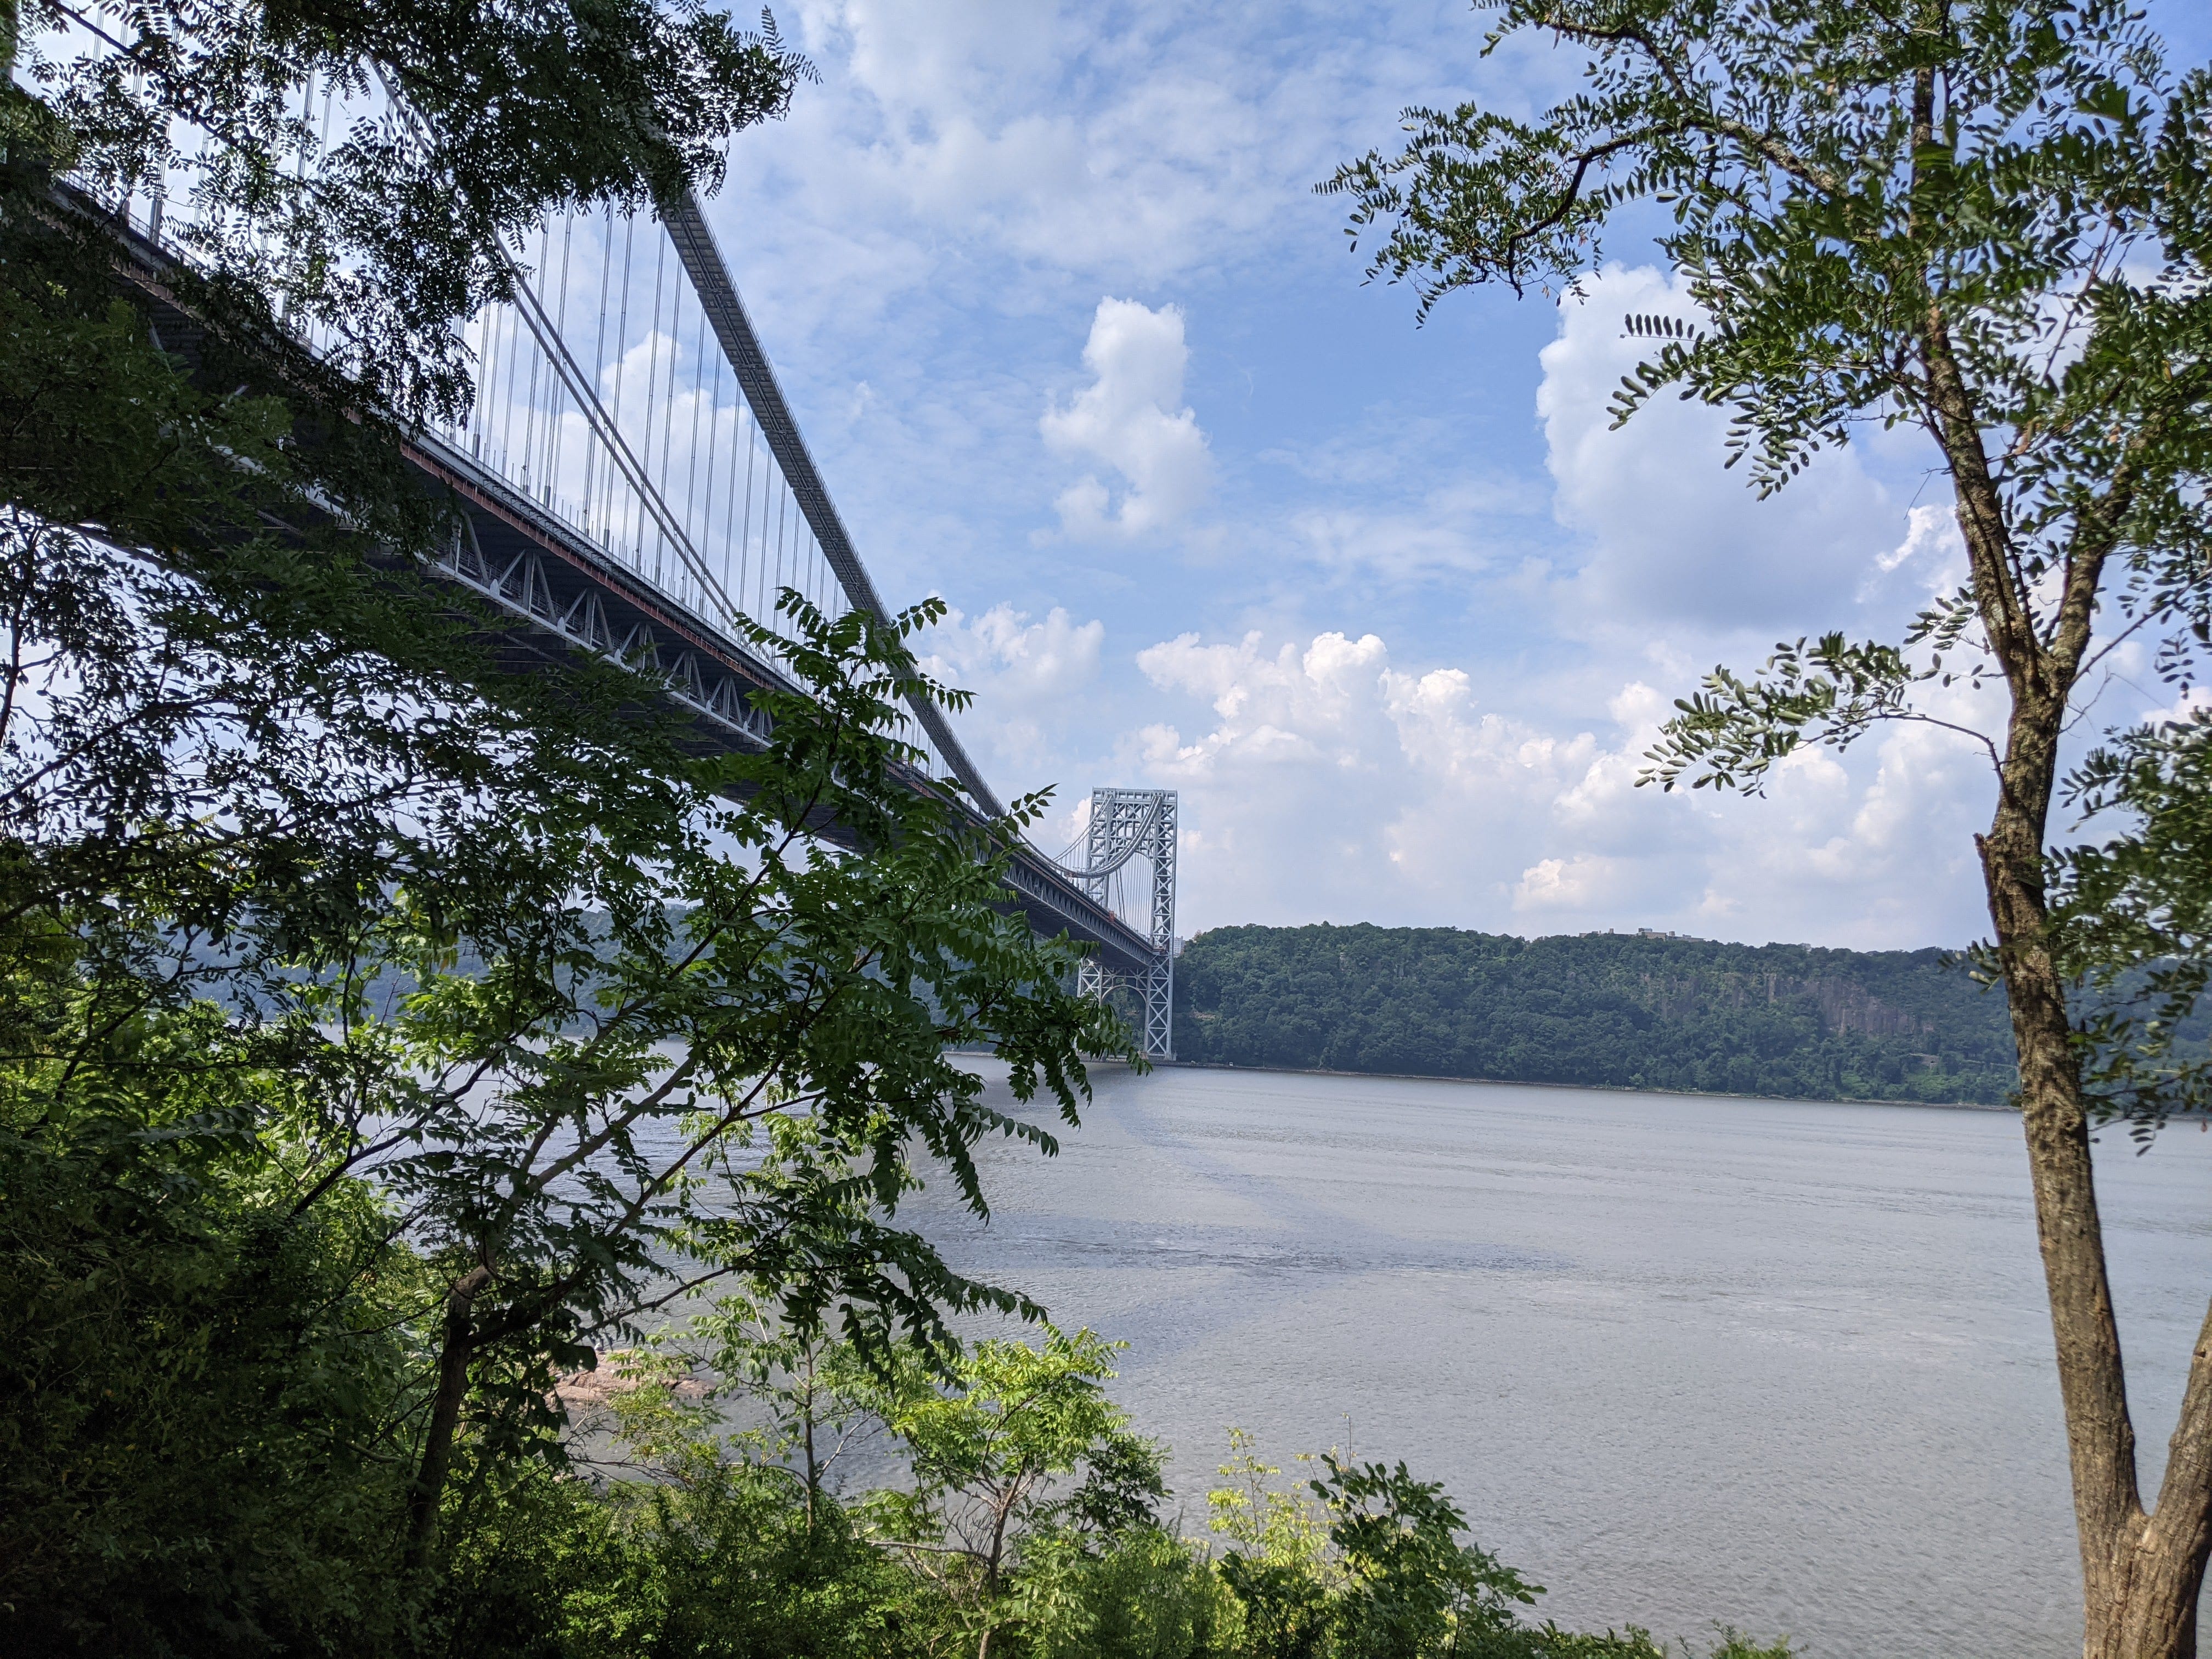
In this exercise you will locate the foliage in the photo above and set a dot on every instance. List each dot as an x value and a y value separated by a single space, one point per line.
460 1017
1263 1522
514 109
811 1390
2133 917
1412 1588
1369 1564
701 1547
1829 170
1139 1594
229 1365
730 1062
199 1452
1985 221
691 1552
1022 1444
1600 1009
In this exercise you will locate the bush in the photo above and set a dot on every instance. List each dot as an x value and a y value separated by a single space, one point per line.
192 1456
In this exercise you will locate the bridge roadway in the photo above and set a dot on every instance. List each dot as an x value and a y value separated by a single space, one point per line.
554 591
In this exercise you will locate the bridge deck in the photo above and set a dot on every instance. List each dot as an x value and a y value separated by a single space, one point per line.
557 590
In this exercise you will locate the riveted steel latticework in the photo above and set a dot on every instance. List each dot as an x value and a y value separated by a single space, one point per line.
1127 824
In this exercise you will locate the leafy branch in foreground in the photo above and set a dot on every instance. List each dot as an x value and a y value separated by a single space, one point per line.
1731 732
524 109
410 1023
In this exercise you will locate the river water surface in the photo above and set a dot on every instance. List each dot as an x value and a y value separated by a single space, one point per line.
1682 1359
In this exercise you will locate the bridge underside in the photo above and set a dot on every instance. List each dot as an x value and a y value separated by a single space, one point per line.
554 589
559 593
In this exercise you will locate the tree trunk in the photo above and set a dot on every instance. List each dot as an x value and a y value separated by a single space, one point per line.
2141 1572
454 1355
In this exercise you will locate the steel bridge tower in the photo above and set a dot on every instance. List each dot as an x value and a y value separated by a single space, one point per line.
1125 824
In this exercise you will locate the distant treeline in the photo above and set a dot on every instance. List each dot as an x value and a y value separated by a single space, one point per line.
1622 1010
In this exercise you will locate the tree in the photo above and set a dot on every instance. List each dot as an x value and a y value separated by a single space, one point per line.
994 1458
2133 919
573 1016
512 108
230 701
1369 1564
1987 223
198 1451
811 1386
691 1551
1415 1589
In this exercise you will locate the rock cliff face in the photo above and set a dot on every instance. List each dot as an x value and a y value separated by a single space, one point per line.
1844 1005
1637 1011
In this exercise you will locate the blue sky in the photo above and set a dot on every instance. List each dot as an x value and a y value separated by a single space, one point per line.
1077 348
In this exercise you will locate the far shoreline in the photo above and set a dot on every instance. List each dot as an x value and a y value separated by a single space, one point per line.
1609 1088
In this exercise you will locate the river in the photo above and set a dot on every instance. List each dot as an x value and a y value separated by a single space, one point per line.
1682 1359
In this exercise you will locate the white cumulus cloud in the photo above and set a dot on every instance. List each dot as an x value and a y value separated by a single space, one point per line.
1674 537
1013 657
1132 418
1321 781
1026 676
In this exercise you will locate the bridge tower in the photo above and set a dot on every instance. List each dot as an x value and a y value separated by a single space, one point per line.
1125 824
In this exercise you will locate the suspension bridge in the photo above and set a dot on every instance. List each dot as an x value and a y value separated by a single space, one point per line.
633 486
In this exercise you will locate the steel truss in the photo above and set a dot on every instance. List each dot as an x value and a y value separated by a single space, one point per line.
1125 824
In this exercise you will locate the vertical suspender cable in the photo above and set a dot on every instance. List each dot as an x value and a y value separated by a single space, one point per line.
622 350
554 418
487 366
745 541
771 494
516 463
707 525
692 459
507 458
734 540
652 379
710 280
599 374
668 402
526 477
783 519
299 175
652 359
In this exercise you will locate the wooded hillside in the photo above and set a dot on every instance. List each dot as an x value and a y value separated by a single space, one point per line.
1623 1009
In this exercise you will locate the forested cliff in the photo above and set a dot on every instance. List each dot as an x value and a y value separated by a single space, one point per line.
1624 1010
